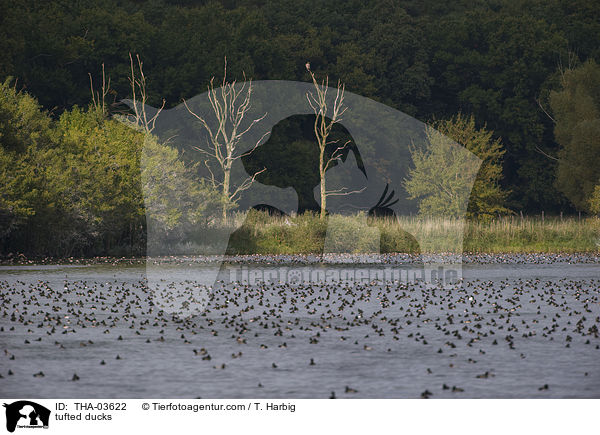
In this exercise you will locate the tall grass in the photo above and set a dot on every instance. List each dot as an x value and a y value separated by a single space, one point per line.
534 234
263 234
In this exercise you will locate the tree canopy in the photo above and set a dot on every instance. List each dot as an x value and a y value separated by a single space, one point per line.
487 198
576 111
428 58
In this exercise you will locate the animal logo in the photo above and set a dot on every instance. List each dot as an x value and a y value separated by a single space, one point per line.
27 414
369 176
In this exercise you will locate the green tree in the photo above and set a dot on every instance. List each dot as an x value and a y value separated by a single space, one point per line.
594 201
95 172
576 112
488 198
442 176
24 129
492 61
177 203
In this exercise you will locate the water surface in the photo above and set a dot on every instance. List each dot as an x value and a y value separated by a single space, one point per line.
505 332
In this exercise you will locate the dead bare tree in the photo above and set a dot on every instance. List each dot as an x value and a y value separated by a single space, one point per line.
230 103
139 96
322 127
99 99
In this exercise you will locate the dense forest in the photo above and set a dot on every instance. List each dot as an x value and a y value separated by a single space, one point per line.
504 63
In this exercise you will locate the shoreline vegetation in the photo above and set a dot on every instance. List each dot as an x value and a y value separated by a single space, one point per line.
100 183
306 234
508 234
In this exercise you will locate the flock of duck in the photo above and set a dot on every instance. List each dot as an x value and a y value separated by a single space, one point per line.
511 337
337 258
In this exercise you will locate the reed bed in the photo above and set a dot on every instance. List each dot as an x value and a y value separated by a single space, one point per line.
260 233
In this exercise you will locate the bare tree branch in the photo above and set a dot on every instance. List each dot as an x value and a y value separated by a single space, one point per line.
545 154
230 104
246 184
139 92
343 191
99 100
544 110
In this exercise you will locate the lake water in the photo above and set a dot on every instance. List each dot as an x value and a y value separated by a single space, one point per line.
510 329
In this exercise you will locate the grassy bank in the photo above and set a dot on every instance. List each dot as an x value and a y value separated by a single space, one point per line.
513 234
263 234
